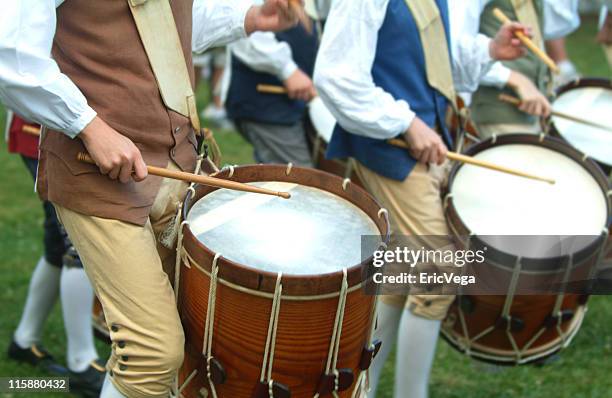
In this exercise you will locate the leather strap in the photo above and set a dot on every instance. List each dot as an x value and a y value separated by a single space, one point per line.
435 46
526 13
159 35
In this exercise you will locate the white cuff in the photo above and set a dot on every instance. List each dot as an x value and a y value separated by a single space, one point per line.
81 122
287 70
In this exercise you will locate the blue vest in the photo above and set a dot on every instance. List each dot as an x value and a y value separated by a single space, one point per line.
399 69
243 100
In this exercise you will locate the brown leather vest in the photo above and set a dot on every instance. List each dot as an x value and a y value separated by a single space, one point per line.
98 47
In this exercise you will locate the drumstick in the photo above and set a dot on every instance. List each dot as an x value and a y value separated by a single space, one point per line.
199 179
528 42
271 89
31 130
477 162
516 101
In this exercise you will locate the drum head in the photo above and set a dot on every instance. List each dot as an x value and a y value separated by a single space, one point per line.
314 232
321 118
493 204
591 103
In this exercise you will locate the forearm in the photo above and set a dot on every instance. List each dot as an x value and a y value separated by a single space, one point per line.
217 23
264 53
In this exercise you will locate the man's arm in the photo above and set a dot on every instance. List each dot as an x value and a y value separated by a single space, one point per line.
343 75
264 53
31 83
474 54
217 23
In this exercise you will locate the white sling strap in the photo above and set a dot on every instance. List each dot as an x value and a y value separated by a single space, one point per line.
435 46
158 32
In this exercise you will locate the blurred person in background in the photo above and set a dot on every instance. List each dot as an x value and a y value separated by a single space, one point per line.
273 123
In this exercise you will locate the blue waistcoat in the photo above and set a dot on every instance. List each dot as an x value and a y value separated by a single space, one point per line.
399 69
243 100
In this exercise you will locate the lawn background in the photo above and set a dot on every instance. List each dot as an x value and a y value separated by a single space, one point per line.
584 370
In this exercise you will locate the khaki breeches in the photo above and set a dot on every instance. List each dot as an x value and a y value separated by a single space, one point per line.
415 208
129 270
486 131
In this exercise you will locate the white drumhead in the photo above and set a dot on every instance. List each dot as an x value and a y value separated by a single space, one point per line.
493 203
314 232
322 119
594 104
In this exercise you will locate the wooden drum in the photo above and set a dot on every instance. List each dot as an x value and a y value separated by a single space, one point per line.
493 210
270 291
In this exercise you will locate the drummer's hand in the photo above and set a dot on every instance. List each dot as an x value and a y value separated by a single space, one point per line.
272 15
425 144
300 87
532 100
505 45
115 154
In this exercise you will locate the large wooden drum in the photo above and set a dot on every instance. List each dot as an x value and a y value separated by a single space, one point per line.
270 291
515 219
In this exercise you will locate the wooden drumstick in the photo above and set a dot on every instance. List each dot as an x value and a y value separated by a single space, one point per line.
31 130
480 163
271 89
528 42
516 101
199 179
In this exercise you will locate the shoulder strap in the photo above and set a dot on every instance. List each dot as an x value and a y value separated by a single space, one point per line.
435 46
527 15
158 32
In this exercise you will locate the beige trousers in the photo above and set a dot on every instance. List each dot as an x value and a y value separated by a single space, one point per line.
415 208
129 270
486 131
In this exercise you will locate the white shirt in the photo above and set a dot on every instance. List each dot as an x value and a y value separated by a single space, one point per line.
343 69
31 83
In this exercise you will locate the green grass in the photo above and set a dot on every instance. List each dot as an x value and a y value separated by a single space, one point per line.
583 371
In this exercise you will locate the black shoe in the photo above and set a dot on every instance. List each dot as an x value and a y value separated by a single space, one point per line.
37 356
89 382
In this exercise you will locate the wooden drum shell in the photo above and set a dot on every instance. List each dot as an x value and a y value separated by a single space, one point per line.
474 315
244 302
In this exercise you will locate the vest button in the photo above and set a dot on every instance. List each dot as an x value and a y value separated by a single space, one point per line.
177 130
173 152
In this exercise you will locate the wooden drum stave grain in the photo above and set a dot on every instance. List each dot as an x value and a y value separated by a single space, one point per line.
482 208
260 311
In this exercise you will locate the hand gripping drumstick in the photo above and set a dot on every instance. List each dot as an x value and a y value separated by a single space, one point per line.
516 101
528 42
199 179
477 162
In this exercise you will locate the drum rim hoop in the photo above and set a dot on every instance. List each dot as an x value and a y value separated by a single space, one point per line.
599 82
496 356
457 224
325 283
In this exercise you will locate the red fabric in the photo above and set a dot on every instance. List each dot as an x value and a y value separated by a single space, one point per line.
21 142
